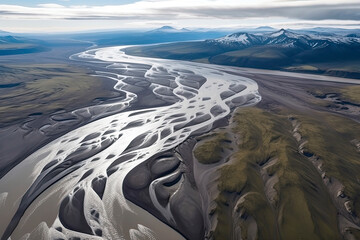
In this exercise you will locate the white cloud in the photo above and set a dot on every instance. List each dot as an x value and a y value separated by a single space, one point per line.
171 9
215 12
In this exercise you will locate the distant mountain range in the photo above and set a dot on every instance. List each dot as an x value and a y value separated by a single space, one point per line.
159 35
265 28
315 52
285 38
169 29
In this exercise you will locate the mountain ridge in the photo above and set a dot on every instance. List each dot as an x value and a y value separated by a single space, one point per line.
285 38
322 53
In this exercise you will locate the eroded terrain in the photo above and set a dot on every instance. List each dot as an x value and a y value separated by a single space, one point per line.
292 171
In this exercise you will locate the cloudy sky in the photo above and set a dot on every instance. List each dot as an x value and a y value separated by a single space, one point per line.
84 15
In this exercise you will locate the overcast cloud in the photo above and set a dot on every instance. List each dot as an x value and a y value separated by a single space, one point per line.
273 11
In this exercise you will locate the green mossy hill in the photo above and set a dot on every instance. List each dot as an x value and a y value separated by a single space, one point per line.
271 191
351 93
332 139
211 149
347 94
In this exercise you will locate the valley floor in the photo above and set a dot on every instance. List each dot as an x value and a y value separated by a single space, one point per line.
287 168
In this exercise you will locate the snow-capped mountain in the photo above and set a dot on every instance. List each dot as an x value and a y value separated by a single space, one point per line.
243 39
285 38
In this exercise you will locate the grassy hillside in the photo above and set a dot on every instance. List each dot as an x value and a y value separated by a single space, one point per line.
271 189
212 149
351 94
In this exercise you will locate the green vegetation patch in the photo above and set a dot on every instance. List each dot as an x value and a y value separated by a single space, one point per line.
351 93
331 137
211 150
302 68
301 207
348 94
